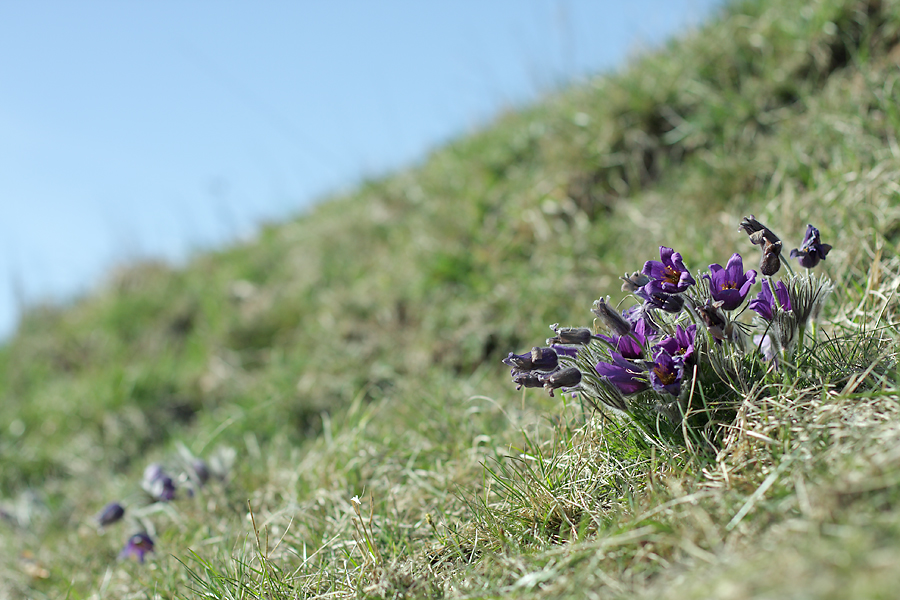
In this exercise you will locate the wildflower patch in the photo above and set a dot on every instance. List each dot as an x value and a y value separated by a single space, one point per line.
688 353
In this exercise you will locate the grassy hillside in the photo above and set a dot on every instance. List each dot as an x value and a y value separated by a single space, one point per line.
355 352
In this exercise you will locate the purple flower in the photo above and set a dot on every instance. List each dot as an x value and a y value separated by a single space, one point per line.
539 359
644 327
812 250
632 346
666 373
669 275
641 323
111 513
625 375
138 545
766 304
730 285
625 345
158 484
681 344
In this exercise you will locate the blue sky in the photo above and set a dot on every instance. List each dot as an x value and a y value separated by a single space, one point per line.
132 130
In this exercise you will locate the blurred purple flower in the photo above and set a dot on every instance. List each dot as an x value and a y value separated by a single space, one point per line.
201 470
111 513
730 285
666 373
138 545
812 250
667 275
624 374
158 484
641 323
767 304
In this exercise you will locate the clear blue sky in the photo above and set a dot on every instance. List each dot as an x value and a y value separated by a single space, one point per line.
130 129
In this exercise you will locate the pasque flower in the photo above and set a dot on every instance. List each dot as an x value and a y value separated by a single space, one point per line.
634 282
111 513
539 359
681 344
715 320
762 236
812 250
670 303
666 373
138 545
667 275
730 285
631 345
624 374
570 335
158 484
610 317
526 379
766 304
564 378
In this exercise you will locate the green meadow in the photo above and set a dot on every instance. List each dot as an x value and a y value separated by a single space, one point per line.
340 374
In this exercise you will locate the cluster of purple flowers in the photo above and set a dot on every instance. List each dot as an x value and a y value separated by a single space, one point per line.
159 487
655 345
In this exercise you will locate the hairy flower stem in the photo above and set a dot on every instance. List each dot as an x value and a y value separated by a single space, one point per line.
801 333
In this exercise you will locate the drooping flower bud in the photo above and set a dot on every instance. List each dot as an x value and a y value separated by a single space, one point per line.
762 236
570 335
528 379
714 319
111 513
610 317
634 282
539 359
564 378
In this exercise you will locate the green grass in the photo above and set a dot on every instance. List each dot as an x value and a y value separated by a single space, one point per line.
355 351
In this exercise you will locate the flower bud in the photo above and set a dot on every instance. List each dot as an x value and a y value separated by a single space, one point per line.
111 513
564 378
615 322
570 335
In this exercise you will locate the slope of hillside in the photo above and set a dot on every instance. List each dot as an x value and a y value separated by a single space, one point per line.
340 374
